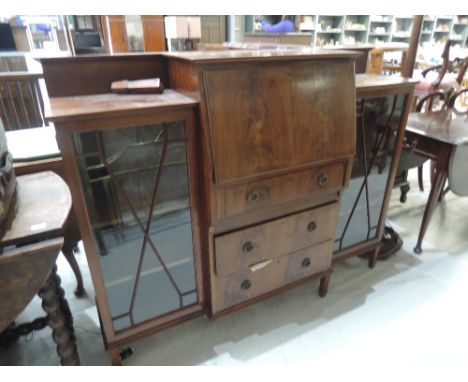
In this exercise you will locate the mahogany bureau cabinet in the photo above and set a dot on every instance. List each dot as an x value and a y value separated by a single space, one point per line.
277 147
221 191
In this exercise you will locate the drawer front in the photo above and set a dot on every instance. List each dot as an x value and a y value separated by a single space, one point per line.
279 115
238 250
252 196
255 281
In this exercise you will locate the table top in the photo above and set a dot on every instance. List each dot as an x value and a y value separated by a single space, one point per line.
368 83
443 126
390 47
43 205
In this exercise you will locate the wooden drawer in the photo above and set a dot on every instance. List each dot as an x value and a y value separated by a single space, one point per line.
252 196
240 249
247 284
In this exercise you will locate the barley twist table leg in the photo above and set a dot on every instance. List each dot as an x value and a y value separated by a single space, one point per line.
64 307
57 321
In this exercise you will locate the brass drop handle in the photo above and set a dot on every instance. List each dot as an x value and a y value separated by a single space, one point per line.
252 197
322 180
260 265
311 226
247 247
306 262
246 284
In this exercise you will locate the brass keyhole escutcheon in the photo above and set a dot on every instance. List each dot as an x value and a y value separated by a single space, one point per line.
311 226
252 197
306 262
322 180
246 284
247 247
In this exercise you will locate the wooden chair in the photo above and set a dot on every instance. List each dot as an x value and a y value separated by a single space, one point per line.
22 115
408 159
27 265
21 101
44 155
443 77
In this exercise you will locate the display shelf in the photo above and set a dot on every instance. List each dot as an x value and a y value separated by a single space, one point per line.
353 29
401 28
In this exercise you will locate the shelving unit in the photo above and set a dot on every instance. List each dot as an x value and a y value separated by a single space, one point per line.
329 30
380 29
402 26
355 29
326 30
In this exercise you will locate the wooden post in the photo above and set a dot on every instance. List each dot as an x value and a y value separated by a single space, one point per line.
408 65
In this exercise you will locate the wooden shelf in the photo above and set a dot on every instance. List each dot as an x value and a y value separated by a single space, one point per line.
330 31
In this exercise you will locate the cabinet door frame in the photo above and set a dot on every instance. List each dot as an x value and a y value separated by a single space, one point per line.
64 131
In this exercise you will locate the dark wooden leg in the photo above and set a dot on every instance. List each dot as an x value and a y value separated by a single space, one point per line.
439 178
404 188
420 178
442 192
67 251
71 237
56 319
373 258
433 171
323 288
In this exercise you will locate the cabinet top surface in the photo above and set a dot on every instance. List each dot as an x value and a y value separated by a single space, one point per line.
105 105
374 82
280 54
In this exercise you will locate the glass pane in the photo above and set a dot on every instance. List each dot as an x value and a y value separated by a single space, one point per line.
134 28
361 204
135 181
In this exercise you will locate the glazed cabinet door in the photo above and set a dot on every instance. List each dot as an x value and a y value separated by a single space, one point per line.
378 121
137 192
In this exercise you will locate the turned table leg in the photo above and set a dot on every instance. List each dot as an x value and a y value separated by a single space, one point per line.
404 189
59 320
